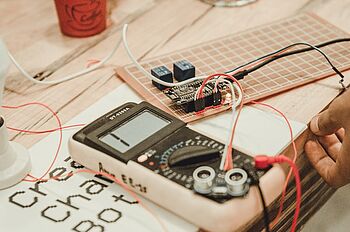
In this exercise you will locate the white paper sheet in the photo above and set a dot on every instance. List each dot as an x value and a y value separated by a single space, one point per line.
102 206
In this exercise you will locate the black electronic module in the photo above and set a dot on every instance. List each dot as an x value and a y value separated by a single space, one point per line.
184 96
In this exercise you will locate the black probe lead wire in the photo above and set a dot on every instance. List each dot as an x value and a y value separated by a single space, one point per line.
265 211
311 47
273 58
293 53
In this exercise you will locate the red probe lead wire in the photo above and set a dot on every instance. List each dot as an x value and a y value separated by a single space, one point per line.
44 131
35 179
275 221
263 161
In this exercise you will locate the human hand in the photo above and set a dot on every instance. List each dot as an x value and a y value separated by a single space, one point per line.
329 153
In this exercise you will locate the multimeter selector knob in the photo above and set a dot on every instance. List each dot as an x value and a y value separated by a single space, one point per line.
193 155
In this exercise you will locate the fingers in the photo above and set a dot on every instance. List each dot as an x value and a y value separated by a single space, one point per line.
315 152
325 123
323 164
331 154
335 117
340 134
332 145
343 161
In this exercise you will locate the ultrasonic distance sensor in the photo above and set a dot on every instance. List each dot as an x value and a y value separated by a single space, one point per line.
236 182
203 179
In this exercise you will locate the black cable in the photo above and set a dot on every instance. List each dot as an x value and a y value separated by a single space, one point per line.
255 181
265 56
241 74
289 46
265 211
311 47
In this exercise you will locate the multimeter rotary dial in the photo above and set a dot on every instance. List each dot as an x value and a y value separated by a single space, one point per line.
192 152
178 161
187 151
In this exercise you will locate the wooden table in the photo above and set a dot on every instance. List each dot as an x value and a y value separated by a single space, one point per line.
31 32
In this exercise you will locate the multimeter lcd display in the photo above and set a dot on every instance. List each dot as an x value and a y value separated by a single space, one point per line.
134 131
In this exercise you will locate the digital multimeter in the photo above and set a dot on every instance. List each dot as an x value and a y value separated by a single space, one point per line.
158 156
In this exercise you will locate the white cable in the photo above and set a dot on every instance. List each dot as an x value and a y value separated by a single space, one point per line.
228 141
239 94
69 77
147 74
235 103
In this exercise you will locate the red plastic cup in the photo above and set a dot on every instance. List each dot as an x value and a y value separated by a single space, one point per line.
81 18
